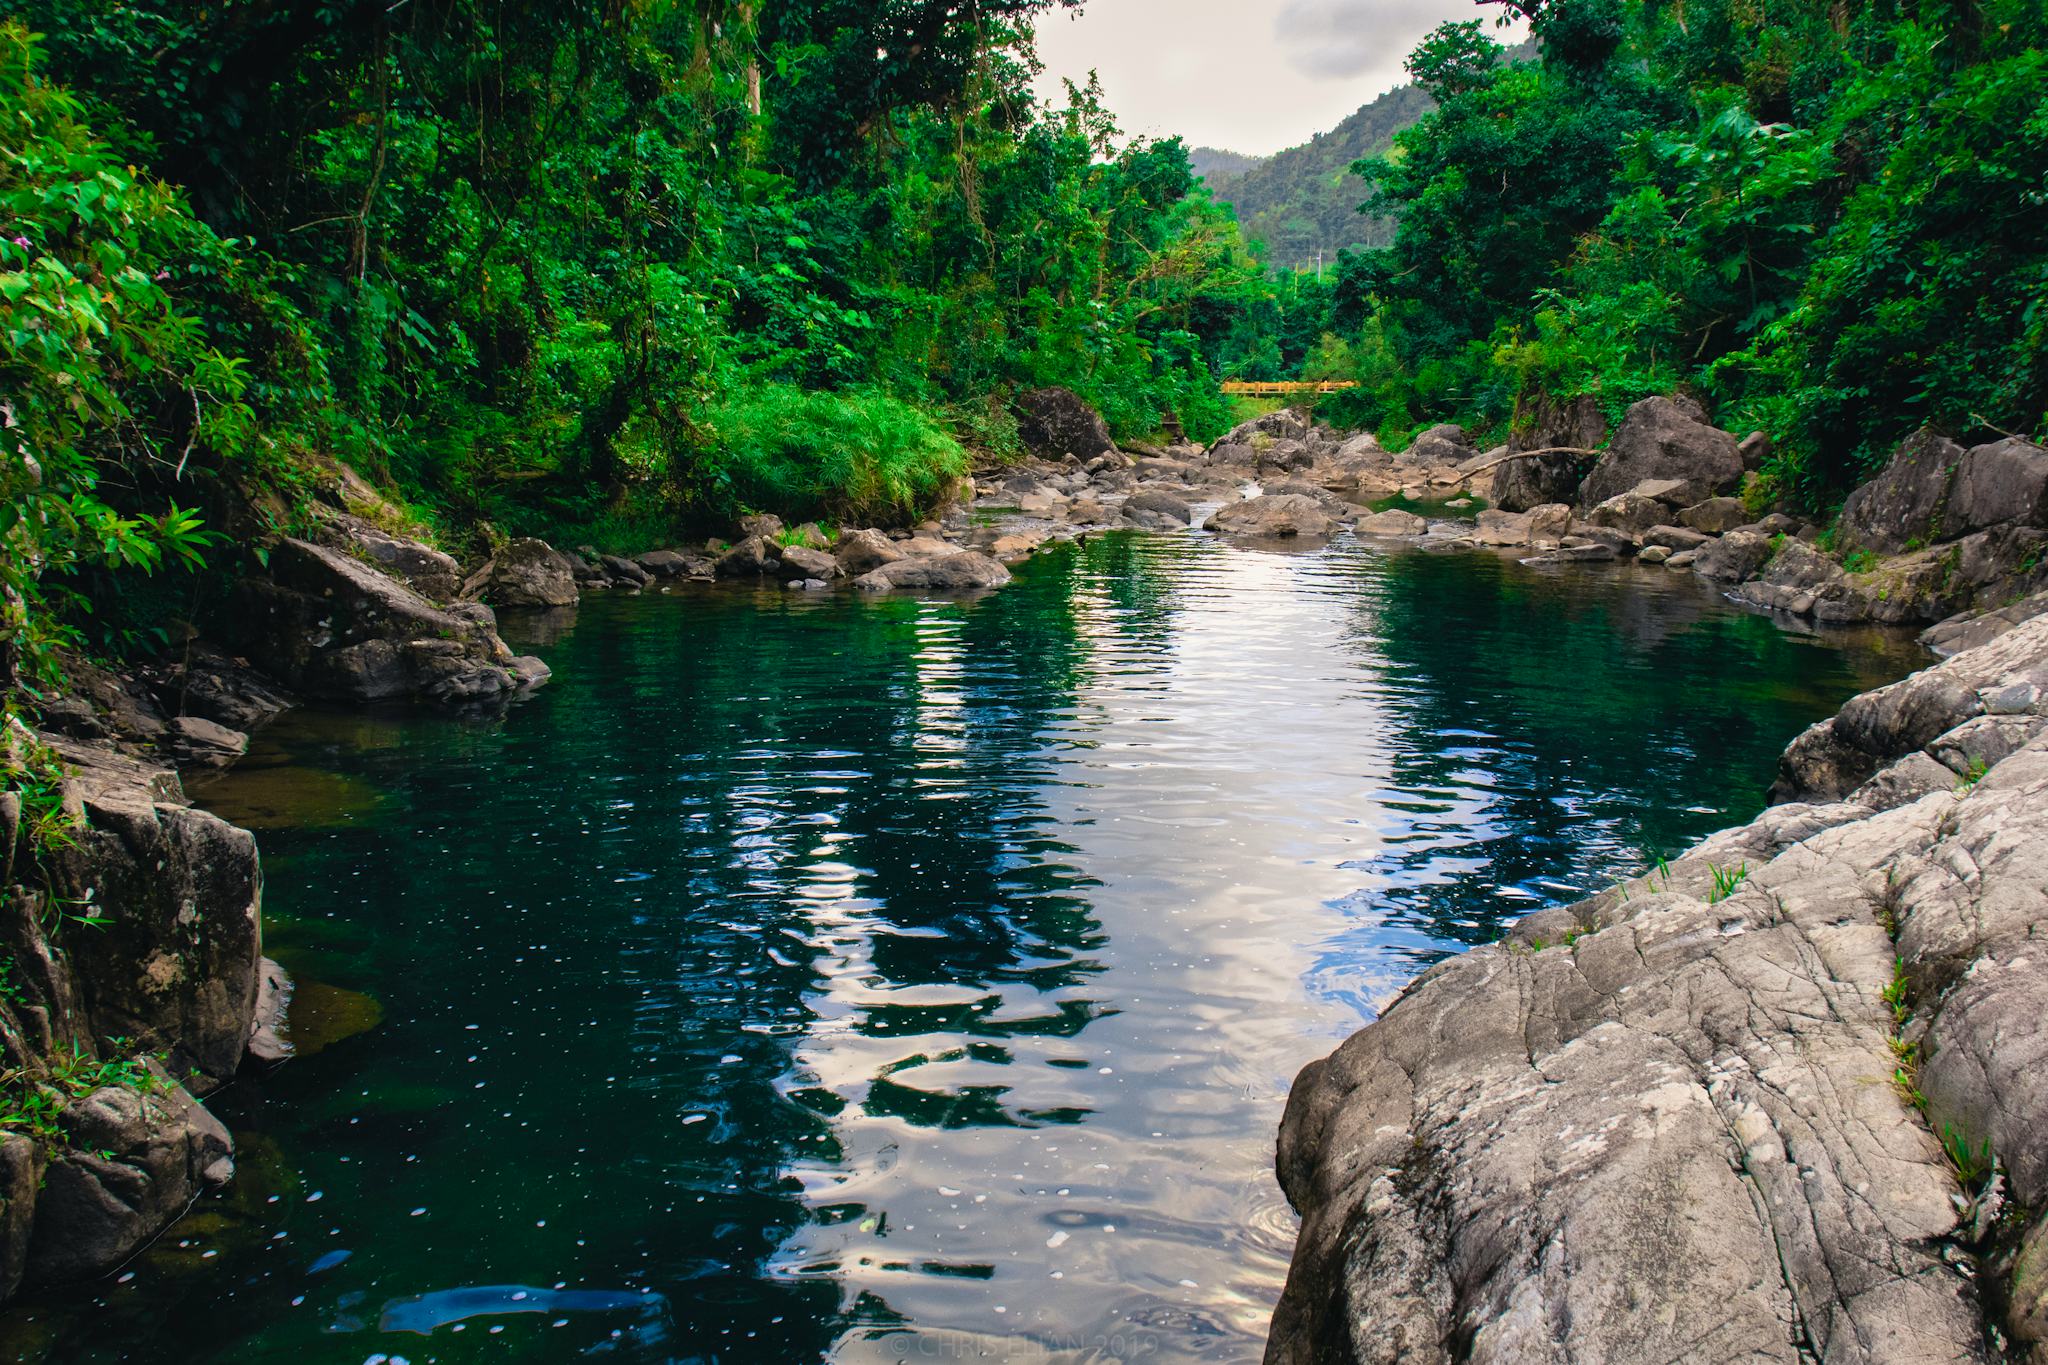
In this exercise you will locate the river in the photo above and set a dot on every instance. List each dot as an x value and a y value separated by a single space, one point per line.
813 978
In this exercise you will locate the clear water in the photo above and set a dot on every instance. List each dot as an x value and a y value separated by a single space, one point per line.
825 979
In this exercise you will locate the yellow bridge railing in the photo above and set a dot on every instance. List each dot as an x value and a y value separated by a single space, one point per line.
1256 388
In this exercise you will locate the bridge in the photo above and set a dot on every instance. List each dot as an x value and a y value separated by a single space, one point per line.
1261 388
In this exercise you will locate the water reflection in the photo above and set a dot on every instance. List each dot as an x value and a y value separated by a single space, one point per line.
809 978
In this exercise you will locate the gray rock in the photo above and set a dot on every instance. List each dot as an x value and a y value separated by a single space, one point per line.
961 571
332 627
1086 512
1654 554
860 552
1271 515
526 573
426 569
1664 439
22 1162
1733 558
2006 481
1495 527
1056 422
1901 504
1685 1103
133 1163
623 570
765 525
801 562
1157 510
194 742
1630 512
1715 516
1675 538
753 557
669 564
1392 523
1755 449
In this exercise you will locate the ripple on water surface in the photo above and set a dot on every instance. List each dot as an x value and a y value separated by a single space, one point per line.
807 979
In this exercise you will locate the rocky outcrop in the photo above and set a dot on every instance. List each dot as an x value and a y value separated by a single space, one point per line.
330 626
1544 424
136 936
1665 438
1780 1100
1056 422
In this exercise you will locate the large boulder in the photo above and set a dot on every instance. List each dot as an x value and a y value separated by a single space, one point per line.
526 573
332 627
1273 515
1902 504
2003 483
861 552
1734 557
1443 444
1541 423
1664 438
753 557
1749 1090
1054 423
429 571
1631 512
801 562
1393 524
135 1158
961 571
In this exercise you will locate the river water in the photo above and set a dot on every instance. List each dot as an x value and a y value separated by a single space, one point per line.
808 978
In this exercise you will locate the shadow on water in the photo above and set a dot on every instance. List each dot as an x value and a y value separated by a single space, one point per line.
808 978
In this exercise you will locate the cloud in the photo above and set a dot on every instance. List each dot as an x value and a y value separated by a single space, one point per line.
1343 38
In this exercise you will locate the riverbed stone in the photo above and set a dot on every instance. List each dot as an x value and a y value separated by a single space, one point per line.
1631 512
1393 523
1734 557
860 552
961 571
753 558
1273 516
801 562
1055 422
1158 510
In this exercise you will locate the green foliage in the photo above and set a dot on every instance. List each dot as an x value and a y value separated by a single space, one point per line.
855 457
1829 223
1726 880
1973 1165
32 1102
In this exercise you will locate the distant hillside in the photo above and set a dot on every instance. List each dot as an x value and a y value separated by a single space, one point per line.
1212 163
1305 199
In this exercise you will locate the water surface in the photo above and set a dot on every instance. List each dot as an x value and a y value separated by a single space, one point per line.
808 978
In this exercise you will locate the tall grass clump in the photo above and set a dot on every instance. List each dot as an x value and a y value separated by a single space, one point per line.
854 457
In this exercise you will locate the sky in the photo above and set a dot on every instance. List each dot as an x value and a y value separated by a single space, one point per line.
1251 76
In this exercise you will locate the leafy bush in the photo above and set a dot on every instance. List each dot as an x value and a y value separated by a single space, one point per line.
851 457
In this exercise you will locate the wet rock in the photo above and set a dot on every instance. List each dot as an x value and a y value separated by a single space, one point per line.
1392 523
624 571
1271 515
961 571
134 1161
268 1044
753 557
1544 424
1684 559
1056 422
193 742
861 552
1734 557
801 562
526 573
1157 510
672 564
330 626
1662 438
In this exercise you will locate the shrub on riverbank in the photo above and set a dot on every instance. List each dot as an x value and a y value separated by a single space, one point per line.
854 457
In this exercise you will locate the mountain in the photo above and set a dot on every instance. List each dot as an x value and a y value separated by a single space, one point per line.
1210 163
1304 201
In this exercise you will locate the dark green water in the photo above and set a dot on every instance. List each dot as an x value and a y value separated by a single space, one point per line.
801 979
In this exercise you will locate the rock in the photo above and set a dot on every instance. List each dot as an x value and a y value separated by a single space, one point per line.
1016 546
1798 579
1654 554
669 564
1584 533
205 682
861 552
173 964
1734 557
1715 516
1675 538
1684 559
1550 521
332 627
1392 523
1444 444
526 573
268 1045
194 742
1055 422
1675 1093
1543 424
753 557
762 524
811 536
961 571
1271 515
427 570
622 570
1754 450
2006 481
801 562
1630 512
134 1162
1901 504
1086 512
1663 439
1157 510
1970 629
1503 528
22 1161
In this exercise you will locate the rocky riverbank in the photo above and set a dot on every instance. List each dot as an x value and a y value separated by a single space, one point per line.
1781 1099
